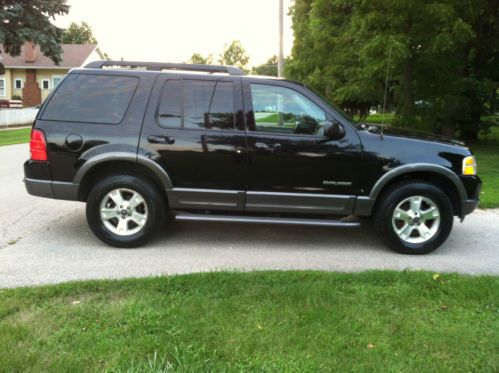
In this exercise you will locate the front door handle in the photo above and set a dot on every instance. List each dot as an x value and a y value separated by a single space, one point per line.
161 139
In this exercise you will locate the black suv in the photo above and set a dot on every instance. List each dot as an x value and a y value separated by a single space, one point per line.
138 141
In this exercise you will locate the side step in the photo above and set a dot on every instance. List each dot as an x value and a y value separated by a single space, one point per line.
266 220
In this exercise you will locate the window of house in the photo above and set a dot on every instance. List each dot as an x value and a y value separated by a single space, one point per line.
283 110
18 83
207 104
56 80
2 87
45 84
92 99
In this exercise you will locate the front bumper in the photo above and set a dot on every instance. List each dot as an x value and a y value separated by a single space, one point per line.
52 189
473 187
468 207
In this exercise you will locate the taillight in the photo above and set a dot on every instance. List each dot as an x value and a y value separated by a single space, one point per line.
38 146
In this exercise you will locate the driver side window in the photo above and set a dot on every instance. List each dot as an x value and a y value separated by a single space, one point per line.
283 110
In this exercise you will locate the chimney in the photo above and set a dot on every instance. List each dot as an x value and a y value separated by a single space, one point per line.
29 52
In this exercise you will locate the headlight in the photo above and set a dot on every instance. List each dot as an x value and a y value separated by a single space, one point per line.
469 165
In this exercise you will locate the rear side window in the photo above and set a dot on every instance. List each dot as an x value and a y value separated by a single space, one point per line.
207 104
91 99
170 107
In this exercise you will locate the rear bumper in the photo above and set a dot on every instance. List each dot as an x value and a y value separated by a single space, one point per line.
52 189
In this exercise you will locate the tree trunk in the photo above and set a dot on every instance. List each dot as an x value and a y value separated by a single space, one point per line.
448 126
406 107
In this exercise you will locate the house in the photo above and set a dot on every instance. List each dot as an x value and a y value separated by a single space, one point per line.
31 76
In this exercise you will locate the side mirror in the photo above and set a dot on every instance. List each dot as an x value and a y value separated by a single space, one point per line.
333 130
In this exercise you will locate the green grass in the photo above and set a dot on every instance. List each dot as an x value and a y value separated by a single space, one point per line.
18 136
487 157
259 321
377 118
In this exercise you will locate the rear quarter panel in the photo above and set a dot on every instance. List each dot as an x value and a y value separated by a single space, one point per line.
97 138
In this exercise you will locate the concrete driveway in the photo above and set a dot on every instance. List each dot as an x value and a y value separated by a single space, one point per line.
46 241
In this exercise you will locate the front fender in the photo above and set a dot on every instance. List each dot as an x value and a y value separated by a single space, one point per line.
365 204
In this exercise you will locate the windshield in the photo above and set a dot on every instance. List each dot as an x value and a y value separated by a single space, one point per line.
333 106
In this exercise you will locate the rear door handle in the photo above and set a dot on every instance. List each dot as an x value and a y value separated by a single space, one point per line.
277 147
161 139
263 146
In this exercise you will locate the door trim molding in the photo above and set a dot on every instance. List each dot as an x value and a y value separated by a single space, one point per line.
300 203
206 199
238 200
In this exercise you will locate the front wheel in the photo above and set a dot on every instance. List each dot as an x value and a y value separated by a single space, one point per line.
125 210
414 217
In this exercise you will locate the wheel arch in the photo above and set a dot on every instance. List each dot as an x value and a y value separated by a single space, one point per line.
127 163
437 175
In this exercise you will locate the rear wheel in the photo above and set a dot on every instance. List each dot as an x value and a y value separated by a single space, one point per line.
414 217
125 210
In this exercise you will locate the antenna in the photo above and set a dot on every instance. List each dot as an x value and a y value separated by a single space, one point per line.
386 89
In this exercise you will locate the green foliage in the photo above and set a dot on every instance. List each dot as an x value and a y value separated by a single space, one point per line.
78 34
269 68
444 58
17 136
29 20
259 321
234 55
197 58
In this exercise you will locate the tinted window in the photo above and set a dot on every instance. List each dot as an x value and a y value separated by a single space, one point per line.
170 107
283 110
208 104
91 98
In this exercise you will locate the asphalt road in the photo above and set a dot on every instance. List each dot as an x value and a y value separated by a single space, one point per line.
46 241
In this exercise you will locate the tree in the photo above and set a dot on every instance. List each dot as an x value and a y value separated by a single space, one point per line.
327 55
269 68
78 34
234 55
443 55
82 34
28 20
197 58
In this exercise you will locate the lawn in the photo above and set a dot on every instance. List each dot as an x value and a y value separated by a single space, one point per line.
17 136
378 118
487 157
259 321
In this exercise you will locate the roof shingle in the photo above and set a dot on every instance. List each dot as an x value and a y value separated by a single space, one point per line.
73 55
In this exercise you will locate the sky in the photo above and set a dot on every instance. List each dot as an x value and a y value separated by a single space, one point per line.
172 30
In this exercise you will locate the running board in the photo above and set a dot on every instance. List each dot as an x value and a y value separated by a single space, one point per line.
266 220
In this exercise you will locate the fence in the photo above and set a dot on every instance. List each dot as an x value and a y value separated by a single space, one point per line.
17 117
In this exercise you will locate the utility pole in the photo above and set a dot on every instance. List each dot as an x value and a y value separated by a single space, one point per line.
280 64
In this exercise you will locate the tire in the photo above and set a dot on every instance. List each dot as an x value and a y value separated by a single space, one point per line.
138 217
409 230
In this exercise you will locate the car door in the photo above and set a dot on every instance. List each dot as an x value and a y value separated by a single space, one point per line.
194 130
293 167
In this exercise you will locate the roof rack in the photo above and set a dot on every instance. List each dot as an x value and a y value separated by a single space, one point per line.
160 66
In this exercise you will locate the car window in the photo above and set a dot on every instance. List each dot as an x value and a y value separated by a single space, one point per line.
91 99
207 104
170 107
282 110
